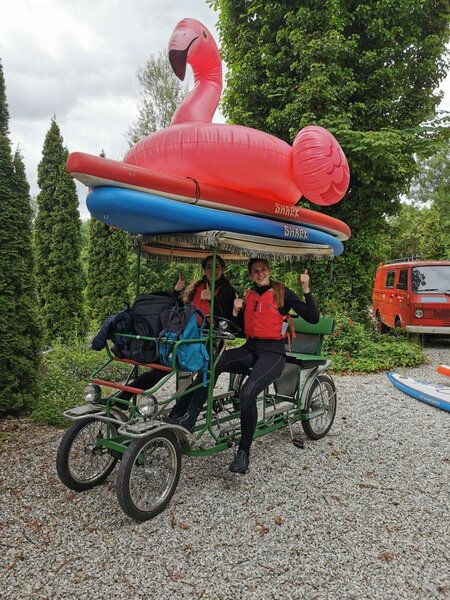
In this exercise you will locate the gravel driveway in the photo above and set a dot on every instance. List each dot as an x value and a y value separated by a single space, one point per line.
363 513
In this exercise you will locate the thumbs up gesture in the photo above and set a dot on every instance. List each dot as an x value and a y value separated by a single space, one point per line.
206 293
237 305
180 283
304 281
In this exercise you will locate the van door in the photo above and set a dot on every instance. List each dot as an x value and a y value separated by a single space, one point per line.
389 295
401 300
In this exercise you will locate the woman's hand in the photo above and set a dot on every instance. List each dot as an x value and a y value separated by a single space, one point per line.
180 283
304 281
206 293
237 305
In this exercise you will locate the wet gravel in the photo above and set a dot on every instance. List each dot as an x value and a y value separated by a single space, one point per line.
361 514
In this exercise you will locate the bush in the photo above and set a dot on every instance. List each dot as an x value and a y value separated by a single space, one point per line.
65 372
360 348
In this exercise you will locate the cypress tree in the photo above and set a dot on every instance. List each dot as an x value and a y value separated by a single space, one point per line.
108 270
58 244
19 332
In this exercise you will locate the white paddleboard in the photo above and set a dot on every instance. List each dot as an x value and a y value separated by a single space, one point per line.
435 395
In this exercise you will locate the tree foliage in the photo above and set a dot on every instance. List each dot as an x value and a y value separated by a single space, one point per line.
19 331
432 186
367 71
162 93
423 227
58 241
108 270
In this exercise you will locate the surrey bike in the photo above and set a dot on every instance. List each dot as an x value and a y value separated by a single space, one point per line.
108 429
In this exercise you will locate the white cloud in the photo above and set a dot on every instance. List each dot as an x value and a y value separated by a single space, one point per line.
77 60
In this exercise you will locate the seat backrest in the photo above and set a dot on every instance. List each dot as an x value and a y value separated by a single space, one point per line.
309 337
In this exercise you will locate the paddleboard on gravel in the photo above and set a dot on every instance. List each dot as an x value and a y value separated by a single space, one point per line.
435 395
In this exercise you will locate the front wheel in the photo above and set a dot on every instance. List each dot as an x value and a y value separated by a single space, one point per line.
80 463
321 399
148 475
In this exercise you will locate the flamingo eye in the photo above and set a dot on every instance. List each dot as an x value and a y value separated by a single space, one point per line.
204 34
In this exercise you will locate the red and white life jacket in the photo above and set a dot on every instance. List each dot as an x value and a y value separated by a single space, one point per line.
261 316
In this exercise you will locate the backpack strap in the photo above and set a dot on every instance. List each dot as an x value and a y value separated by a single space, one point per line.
201 314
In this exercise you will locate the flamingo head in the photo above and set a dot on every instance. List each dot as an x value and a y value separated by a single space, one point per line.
192 43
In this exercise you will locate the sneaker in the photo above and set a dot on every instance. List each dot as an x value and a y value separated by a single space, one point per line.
240 463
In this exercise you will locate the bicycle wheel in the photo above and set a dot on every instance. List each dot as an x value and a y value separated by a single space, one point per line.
148 475
80 463
321 397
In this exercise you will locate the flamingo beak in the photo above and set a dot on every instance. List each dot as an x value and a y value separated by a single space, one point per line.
178 60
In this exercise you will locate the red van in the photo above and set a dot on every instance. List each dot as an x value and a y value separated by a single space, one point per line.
413 295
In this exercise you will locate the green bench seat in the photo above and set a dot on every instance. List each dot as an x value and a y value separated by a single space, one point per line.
306 347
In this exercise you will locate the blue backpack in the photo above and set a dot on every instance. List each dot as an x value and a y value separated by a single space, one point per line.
180 323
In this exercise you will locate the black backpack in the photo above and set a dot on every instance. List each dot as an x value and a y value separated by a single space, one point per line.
123 323
120 323
147 309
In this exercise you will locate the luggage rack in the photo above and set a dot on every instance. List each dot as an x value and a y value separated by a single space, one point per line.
411 258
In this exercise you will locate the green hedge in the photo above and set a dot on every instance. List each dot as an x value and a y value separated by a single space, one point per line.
65 372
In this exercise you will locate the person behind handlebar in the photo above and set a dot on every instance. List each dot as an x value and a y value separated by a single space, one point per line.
199 293
262 316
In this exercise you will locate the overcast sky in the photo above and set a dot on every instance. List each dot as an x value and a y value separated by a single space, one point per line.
77 60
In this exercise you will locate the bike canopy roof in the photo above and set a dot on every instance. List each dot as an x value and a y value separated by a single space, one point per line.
234 247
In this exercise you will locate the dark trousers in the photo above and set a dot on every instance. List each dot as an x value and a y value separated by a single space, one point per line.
262 368
144 381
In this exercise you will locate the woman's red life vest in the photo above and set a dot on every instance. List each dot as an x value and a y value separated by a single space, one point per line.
261 316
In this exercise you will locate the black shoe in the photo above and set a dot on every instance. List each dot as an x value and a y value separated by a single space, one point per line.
240 463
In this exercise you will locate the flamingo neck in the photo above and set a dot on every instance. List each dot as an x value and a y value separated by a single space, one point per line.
201 102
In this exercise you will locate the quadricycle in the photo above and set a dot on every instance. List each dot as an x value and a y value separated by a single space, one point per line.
108 431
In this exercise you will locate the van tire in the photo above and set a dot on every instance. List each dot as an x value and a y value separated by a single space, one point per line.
381 327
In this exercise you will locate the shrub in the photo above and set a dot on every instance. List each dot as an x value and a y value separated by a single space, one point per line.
360 348
65 372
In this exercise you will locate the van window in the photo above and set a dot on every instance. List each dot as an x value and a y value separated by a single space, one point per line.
433 278
390 276
403 280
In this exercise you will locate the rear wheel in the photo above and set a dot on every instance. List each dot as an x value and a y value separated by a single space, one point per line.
381 327
148 475
238 382
321 399
80 463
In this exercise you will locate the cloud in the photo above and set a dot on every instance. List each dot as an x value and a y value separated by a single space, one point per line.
78 61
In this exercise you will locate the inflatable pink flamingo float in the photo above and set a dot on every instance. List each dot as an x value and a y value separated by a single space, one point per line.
233 157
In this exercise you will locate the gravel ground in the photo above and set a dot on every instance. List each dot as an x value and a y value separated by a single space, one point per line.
363 513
